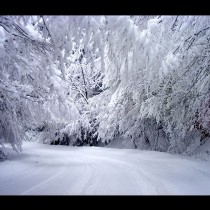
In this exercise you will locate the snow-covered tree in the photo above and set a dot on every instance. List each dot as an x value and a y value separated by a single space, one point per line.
158 82
89 79
33 95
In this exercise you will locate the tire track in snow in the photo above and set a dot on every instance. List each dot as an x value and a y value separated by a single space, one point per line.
102 171
47 181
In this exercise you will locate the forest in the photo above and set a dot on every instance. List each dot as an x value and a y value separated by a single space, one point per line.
141 81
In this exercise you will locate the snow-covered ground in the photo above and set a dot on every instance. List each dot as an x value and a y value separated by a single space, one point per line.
61 170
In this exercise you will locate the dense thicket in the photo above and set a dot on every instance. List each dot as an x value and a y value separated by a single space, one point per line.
83 80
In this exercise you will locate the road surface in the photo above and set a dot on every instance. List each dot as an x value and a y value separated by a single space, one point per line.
61 170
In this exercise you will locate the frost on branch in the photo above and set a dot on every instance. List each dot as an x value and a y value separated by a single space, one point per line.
93 79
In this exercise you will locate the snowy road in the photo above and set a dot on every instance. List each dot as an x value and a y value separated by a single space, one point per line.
60 170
